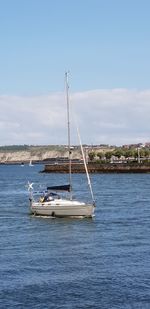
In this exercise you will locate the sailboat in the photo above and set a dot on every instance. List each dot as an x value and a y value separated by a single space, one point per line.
30 163
50 203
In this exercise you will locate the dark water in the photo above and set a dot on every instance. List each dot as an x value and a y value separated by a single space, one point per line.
75 263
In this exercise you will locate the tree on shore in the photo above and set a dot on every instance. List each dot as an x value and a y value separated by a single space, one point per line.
108 155
91 155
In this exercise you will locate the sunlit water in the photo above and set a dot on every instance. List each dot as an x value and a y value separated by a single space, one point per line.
75 263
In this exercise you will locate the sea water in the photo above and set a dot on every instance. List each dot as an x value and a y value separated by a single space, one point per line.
102 262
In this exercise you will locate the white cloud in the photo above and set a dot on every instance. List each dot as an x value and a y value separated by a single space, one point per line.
113 116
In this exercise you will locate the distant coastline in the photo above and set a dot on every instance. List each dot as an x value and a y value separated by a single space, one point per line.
100 159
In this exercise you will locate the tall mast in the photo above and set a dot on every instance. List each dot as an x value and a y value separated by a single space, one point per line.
68 126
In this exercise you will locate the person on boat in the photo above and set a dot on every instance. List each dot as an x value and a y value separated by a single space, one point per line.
47 198
41 199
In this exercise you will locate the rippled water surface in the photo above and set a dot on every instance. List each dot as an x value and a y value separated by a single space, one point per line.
75 263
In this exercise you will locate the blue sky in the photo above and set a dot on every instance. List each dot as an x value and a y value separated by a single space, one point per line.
105 44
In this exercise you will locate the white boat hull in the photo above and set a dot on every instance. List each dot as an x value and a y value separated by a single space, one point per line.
62 208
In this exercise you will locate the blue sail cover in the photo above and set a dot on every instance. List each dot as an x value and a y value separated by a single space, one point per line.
60 188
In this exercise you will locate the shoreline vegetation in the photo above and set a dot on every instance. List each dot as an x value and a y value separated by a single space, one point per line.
100 158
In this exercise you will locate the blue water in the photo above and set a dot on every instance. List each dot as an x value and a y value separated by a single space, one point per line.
75 263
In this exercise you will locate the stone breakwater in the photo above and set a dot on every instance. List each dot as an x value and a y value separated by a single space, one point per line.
97 168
